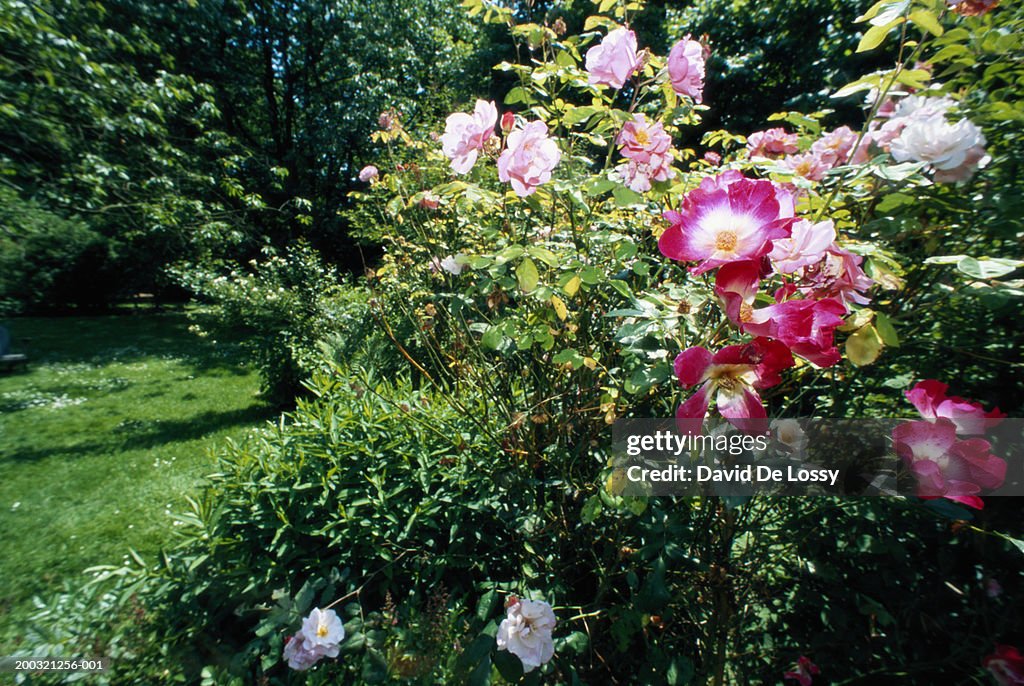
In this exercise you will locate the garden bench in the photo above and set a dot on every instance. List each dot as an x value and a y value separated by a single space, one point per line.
9 360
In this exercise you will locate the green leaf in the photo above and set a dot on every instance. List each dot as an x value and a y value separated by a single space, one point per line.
527 275
863 346
624 197
926 21
509 666
886 331
874 36
988 267
492 338
591 510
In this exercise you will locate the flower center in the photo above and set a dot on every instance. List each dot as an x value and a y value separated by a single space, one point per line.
725 241
746 312
321 631
642 138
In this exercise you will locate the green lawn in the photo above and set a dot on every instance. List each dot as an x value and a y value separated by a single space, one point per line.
100 439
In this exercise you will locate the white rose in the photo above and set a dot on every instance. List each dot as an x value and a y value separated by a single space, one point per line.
526 632
934 140
322 630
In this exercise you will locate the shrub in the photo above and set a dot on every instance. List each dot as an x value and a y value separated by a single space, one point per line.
288 304
48 261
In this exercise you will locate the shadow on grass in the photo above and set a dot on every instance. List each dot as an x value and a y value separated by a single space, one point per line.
144 435
125 338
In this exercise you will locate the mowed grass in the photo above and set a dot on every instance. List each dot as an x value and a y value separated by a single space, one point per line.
101 439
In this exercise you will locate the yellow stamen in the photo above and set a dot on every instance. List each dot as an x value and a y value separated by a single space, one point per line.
725 241
642 138
321 631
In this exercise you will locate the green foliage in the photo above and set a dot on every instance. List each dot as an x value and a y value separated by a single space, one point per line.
48 260
288 305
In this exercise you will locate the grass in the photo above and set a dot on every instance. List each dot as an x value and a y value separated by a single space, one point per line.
102 437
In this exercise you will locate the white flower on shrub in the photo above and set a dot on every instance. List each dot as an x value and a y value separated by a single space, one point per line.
319 637
526 632
953 150
323 628
451 266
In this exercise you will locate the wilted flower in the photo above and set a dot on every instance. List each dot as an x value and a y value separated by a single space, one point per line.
1006 665
804 671
528 159
728 218
686 68
526 632
805 326
298 656
614 60
466 134
972 8
772 143
368 173
837 275
388 120
712 158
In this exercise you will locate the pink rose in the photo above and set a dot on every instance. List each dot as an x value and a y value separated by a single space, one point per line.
640 139
465 135
772 143
639 175
808 165
614 60
834 147
368 173
686 68
528 159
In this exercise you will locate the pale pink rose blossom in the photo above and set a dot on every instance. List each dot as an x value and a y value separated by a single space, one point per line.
640 139
772 143
614 60
528 159
806 246
526 632
834 146
368 173
686 63
298 656
639 175
807 165
466 134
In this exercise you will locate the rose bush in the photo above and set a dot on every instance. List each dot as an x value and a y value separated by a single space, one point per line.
580 262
